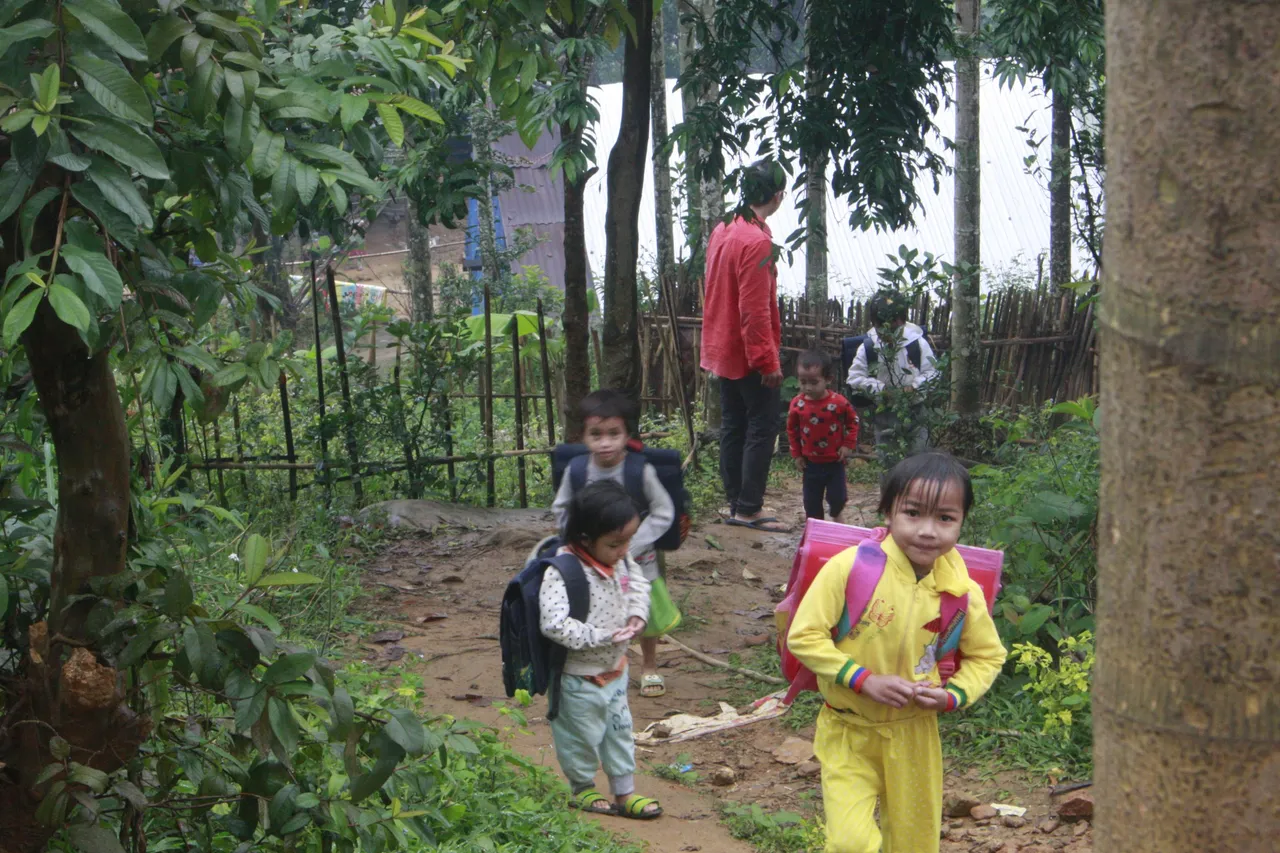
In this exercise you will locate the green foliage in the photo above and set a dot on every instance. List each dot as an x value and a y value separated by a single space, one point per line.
773 832
679 771
1061 688
882 75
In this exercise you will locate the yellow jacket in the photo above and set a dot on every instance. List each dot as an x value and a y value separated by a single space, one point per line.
896 635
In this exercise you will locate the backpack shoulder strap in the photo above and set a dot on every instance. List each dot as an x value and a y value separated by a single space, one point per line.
864 577
578 473
575 584
913 354
633 478
870 349
953 610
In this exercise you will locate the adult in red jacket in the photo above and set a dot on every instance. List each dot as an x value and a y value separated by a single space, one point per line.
741 339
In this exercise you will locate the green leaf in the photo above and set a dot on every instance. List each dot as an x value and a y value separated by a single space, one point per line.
131 792
414 107
4 599
240 127
241 85
256 551
60 154
20 316
93 839
284 725
462 744
307 180
108 21
36 28
249 709
338 196
353 109
422 35
98 273
373 780
282 187
1034 619
111 86
246 60
198 645
13 188
288 579
406 730
48 85
40 123
271 622
391 121
164 33
343 711
289 668
230 375
30 210
94 780
281 807
125 144
178 595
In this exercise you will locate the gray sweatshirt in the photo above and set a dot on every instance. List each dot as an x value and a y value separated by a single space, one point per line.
614 600
662 510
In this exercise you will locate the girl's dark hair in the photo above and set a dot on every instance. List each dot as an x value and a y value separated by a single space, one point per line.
888 306
815 358
607 403
761 181
602 507
935 469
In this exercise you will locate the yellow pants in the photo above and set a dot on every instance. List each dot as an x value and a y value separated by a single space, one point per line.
900 763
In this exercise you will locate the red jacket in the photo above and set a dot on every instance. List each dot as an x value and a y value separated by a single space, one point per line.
741 330
817 429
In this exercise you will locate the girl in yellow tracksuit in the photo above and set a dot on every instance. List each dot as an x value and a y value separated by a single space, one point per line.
877 736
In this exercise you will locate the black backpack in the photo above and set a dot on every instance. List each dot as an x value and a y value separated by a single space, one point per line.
666 463
849 351
529 660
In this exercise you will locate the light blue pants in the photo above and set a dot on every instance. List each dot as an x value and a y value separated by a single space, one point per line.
592 730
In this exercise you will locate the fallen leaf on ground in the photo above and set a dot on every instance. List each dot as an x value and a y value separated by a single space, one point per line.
793 750
394 652
387 637
714 543
432 617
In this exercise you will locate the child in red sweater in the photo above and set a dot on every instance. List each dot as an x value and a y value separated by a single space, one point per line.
823 431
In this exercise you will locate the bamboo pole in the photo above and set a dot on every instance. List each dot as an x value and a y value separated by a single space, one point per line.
546 375
353 449
517 386
288 435
679 372
217 449
324 442
235 422
490 495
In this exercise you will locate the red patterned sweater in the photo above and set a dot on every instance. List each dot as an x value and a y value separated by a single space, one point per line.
817 429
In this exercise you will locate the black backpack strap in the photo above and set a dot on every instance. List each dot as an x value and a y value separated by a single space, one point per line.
871 352
913 353
575 585
578 473
633 479
561 456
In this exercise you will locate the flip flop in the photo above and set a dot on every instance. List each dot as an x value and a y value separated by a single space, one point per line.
634 808
652 686
760 524
589 800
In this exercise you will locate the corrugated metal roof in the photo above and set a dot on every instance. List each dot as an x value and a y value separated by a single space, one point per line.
535 202
1015 205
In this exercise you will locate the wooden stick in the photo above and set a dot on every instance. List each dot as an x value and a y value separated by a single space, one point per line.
517 387
546 376
490 494
707 659
288 436
324 442
344 380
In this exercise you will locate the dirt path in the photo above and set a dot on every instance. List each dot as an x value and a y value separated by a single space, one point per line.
442 587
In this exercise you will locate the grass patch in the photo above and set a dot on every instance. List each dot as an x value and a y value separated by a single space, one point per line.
679 771
772 832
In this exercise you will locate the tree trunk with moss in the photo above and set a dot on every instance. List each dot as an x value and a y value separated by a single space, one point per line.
1187 690
1060 192
418 269
966 287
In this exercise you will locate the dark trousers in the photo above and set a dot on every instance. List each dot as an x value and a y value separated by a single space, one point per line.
748 437
824 478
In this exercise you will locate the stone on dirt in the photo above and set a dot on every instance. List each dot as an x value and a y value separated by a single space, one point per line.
808 769
1048 825
958 805
1014 822
1077 806
793 750
982 812
723 777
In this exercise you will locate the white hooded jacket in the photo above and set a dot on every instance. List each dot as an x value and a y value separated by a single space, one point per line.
892 369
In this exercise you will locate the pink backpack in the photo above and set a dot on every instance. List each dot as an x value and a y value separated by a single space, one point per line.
823 540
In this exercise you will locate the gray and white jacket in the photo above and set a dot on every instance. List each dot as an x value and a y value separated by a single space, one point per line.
614 600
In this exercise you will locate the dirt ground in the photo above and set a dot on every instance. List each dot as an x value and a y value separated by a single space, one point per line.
442 585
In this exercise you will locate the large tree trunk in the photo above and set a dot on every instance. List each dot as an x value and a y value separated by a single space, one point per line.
1060 193
815 276
576 318
1187 691
418 268
687 42
966 288
621 333
65 690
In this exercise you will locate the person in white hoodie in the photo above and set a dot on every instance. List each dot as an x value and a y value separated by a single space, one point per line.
892 367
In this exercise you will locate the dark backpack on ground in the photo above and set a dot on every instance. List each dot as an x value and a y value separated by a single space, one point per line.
530 661
849 351
573 458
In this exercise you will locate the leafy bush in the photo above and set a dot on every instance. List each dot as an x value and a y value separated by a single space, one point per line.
773 832
1062 688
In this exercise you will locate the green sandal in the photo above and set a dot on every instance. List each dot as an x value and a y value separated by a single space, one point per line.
589 801
634 808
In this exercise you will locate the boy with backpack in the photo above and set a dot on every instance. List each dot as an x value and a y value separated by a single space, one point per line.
605 416
894 358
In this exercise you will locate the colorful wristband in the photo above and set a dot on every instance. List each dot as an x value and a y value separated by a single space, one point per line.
859 678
